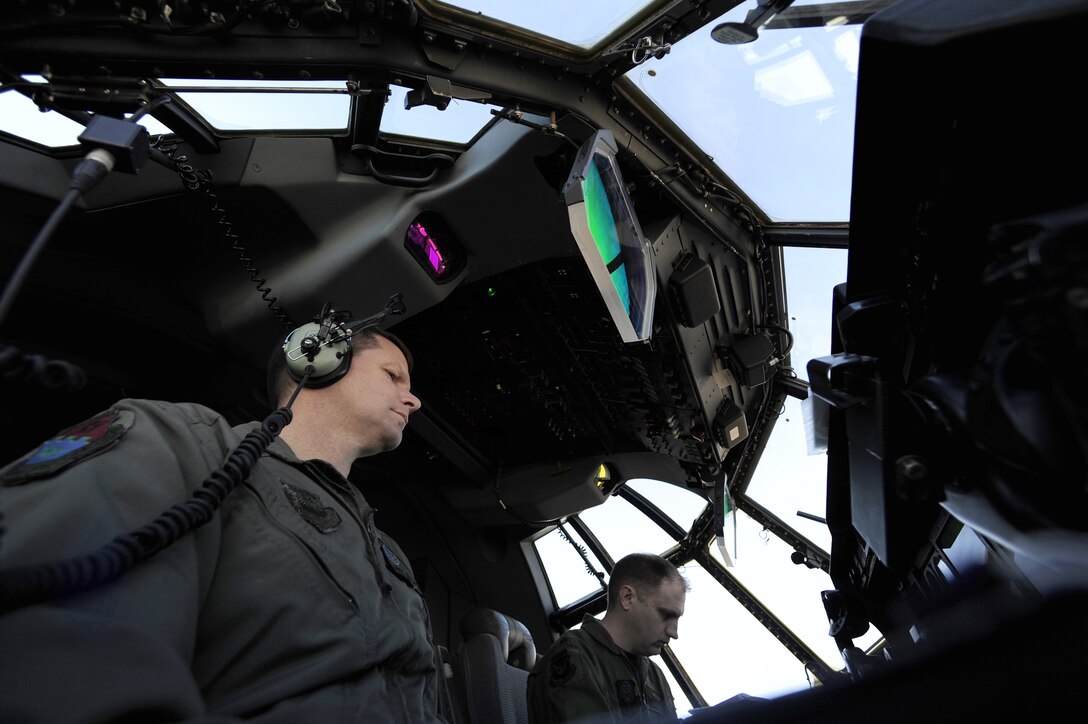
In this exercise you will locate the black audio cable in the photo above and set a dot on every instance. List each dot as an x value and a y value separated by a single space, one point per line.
32 584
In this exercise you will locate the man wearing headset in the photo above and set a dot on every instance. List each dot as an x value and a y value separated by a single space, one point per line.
287 604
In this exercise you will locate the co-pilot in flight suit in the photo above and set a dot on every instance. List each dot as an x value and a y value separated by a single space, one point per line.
288 606
585 676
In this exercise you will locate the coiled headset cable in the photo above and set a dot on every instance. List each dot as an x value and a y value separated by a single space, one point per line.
32 584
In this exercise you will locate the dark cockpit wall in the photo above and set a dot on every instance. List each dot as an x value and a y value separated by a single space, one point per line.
493 205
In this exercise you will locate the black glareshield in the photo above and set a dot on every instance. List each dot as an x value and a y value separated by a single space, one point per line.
319 353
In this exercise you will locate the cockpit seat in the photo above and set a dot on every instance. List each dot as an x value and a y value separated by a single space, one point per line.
495 659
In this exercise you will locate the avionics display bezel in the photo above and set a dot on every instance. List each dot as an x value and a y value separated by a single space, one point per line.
603 222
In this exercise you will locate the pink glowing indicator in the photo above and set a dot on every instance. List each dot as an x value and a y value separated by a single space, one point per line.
418 235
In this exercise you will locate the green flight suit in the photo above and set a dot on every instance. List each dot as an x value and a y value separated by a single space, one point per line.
288 605
584 676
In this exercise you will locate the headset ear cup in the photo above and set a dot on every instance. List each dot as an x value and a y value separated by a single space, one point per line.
326 365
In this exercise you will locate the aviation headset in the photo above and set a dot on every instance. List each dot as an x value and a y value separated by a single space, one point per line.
319 353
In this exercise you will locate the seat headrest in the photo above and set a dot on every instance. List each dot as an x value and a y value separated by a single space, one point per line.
514 639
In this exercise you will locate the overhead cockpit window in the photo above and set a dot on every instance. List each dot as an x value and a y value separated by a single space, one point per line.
459 122
225 105
324 105
232 106
793 88
571 21
21 117
238 105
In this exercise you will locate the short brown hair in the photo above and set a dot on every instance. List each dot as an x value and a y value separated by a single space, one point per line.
643 571
278 382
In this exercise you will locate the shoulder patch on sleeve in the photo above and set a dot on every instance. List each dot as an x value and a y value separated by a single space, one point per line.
564 667
70 446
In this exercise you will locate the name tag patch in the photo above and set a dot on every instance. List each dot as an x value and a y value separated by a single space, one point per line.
394 564
313 511
627 693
